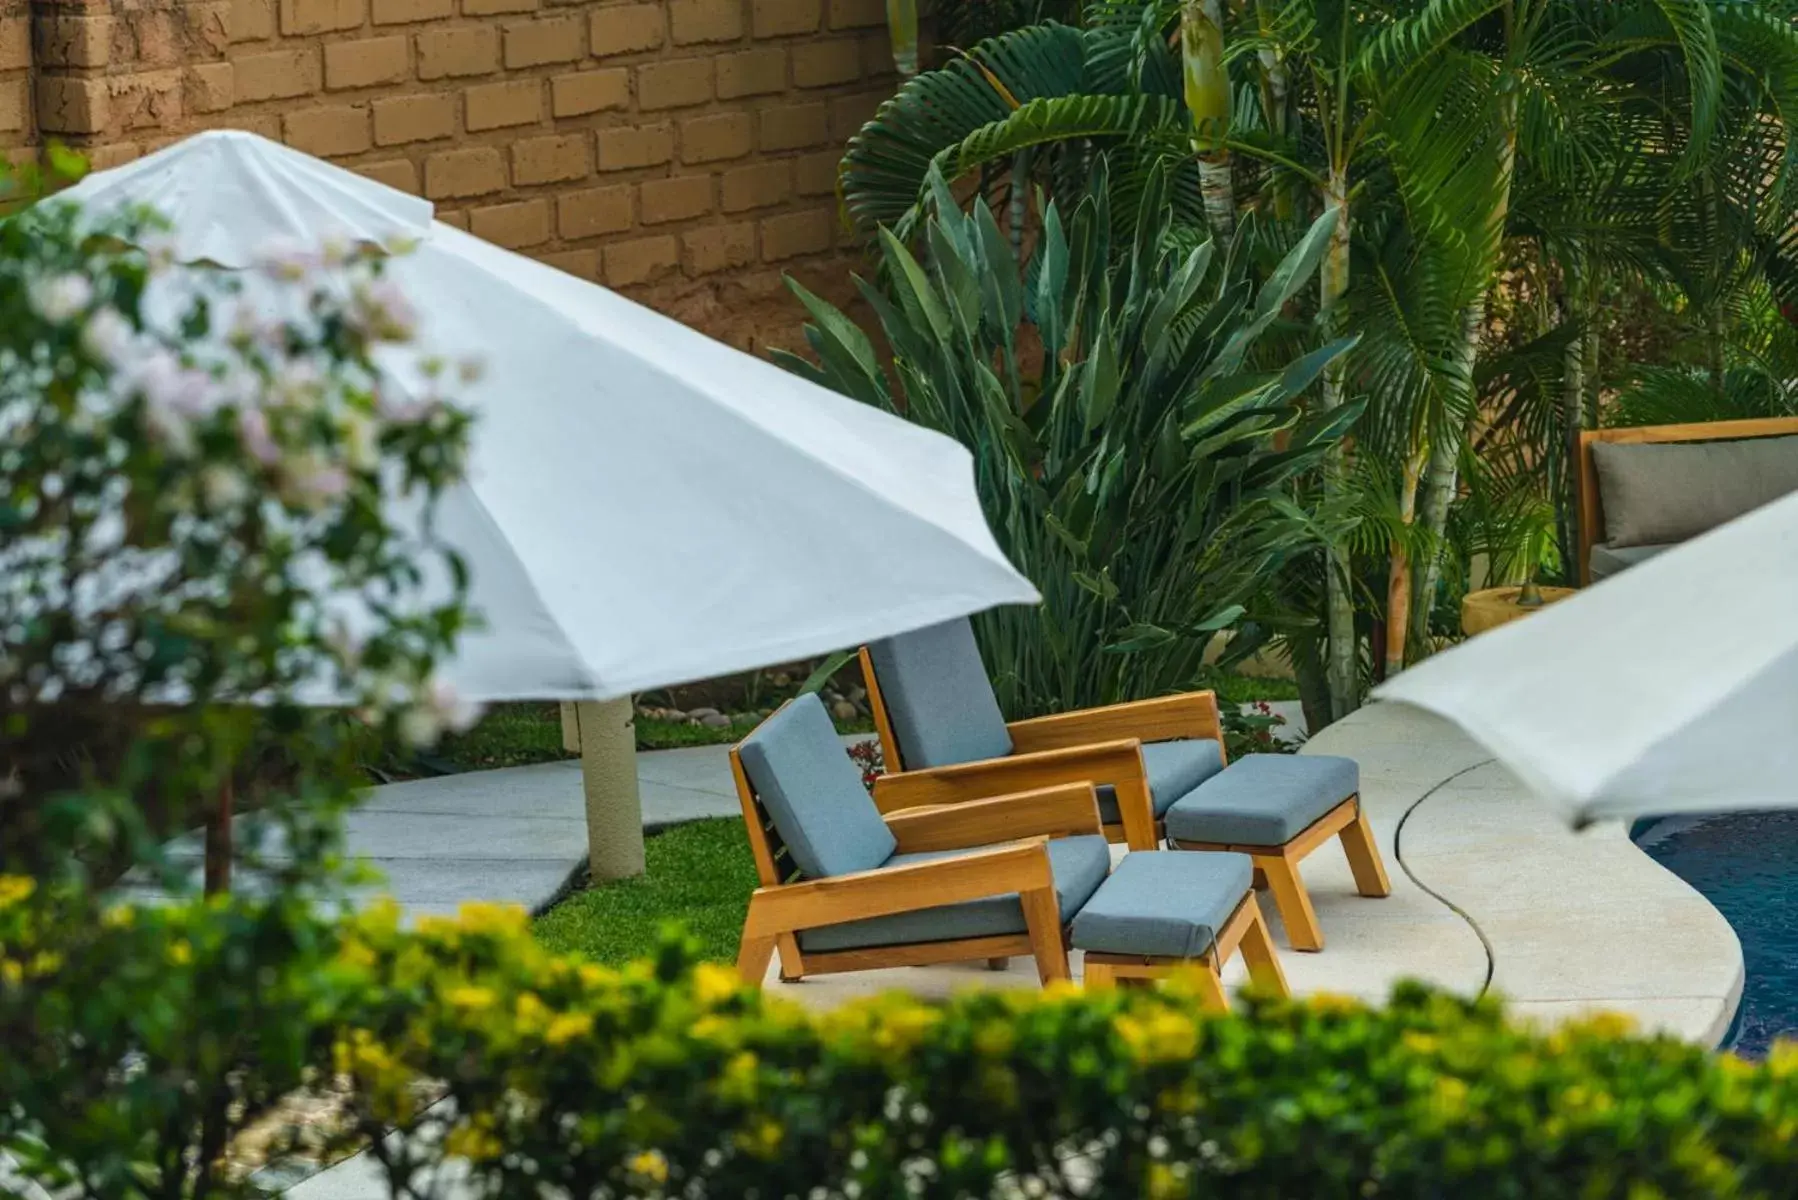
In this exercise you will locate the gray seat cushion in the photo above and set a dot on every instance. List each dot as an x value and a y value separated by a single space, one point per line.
814 793
1079 864
1263 799
1657 493
938 697
1164 905
1174 769
1608 560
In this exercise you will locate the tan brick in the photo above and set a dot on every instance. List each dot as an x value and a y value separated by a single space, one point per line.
795 126
497 105
625 29
849 113
781 18
678 199
757 186
278 74
553 40
478 171
458 219
630 147
327 132
716 138
821 64
299 17
551 159
458 53
263 125
752 73
677 84
394 172
513 226
877 55
589 92
115 154
487 8
367 63
416 118
641 261
593 211
152 36
211 87
793 234
405 12
857 14
67 105
717 248
15 105
252 20
62 41
583 264
816 174
15 42
694 21
145 99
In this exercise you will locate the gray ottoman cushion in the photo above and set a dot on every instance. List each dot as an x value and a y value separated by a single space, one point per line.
1608 560
1164 905
1263 799
1078 864
1174 769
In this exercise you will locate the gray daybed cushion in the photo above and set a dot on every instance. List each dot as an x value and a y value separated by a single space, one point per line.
1079 865
1608 560
1263 799
939 697
1662 493
814 793
1164 905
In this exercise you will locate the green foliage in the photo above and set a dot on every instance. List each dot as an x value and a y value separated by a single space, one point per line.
1131 455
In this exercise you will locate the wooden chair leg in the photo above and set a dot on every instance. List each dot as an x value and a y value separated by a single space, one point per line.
1293 901
1257 947
752 959
1137 809
1211 989
998 964
1042 917
1364 857
1099 977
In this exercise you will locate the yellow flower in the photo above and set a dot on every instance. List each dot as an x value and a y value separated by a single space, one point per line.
566 1027
180 952
11 971
15 888
1332 1002
45 962
492 918
650 1165
1610 1025
474 999
762 1140
473 1140
1160 1036
356 953
1450 1095
713 984
1782 1059
1164 1182
594 976
119 916
532 1013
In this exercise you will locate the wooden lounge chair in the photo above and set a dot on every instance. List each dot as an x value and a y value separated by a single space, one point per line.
844 889
944 739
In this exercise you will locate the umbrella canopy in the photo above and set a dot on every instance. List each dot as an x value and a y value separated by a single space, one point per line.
644 505
1671 687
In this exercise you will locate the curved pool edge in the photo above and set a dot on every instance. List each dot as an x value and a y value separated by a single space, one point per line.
1573 923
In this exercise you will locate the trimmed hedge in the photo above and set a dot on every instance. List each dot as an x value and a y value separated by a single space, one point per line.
666 1078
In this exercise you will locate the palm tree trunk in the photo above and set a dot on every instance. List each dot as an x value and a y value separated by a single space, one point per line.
1207 87
1398 577
1342 663
1444 469
1276 92
902 28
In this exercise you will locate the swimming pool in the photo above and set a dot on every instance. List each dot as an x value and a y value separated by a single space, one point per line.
1747 865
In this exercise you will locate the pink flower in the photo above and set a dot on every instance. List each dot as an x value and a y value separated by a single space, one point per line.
258 442
381 309
61 296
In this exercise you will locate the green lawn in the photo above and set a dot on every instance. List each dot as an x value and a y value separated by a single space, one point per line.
699 874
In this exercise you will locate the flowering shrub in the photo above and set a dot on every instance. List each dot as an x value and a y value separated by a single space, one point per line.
195 474
869 759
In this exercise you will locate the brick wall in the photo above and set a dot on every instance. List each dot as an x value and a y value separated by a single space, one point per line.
681 151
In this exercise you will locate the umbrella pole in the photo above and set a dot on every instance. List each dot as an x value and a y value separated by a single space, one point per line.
608 745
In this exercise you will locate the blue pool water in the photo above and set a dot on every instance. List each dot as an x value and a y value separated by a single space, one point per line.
1746 864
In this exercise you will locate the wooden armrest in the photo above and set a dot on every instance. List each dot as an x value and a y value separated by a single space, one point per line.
999 871
1064 811
1111 762
1191 715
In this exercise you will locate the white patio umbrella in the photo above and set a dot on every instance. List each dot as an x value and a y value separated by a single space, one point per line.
1671 687
644 506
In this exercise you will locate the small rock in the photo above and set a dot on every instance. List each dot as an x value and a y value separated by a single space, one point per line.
744 720
700 714
831 695
715 720
857 693
781 679
842 710
672 714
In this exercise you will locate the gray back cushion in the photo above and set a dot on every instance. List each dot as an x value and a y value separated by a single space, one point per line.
938 697
814 793
1655 494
